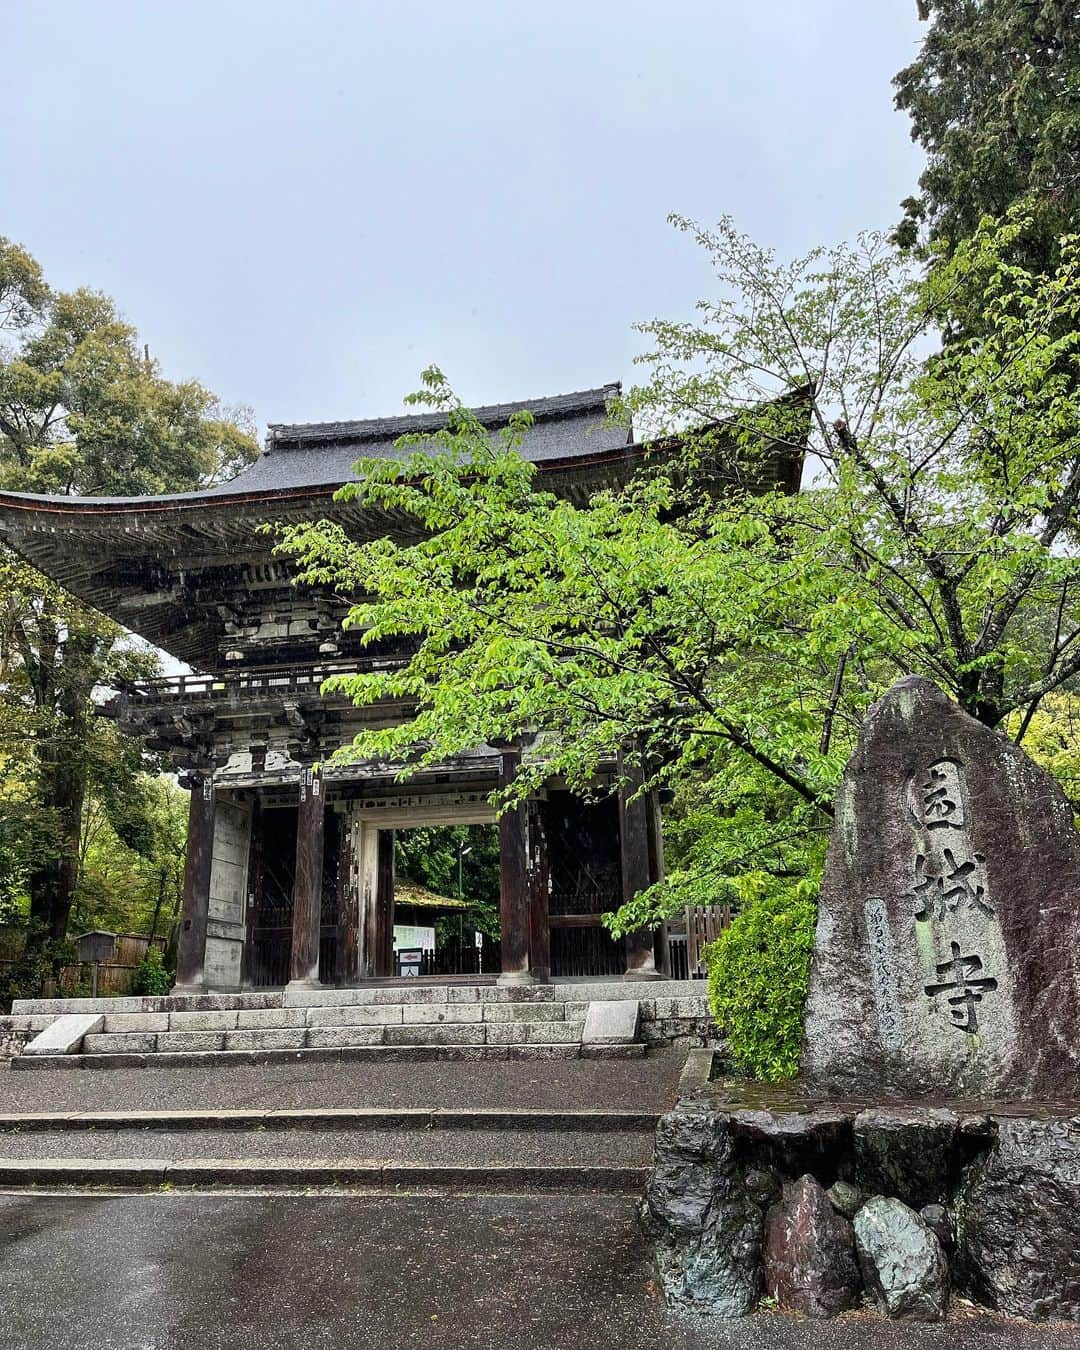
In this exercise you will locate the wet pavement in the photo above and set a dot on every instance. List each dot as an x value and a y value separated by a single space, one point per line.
640 1085
525 1148
210 1272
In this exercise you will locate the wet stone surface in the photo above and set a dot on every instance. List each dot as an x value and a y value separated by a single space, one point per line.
902 1261
947 953
810 1262
999 1195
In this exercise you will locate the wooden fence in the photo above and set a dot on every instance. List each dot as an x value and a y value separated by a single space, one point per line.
114 977
689 936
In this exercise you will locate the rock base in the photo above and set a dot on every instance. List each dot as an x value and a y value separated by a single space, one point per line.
791 1197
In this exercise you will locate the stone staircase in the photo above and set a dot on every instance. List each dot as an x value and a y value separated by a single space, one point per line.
384 1150
393 1022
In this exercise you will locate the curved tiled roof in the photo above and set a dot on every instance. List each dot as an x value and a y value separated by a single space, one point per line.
322 454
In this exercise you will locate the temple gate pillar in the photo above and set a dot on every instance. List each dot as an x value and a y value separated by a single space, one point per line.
634 849
539 895
195 910
383 954
307 886
513 880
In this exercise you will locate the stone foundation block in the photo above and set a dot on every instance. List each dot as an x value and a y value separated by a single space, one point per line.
181 1042
116 1023
522 993
65 1035
542 1051
342 1037
612 1022
456 1034
268 1038
121 1043
203 1021
359 1015
260 1019
429 1013
552 1033
523 1012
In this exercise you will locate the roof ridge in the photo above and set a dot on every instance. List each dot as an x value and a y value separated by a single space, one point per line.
548 407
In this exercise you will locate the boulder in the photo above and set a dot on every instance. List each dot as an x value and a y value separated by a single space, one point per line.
706 1229
947 952
911 1153
902 1261
794 1141
810 1262
845 1198
1017 1220
763 1187
936 1218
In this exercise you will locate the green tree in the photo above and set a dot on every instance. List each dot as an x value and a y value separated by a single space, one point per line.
994 100
713 626
438 856
83 409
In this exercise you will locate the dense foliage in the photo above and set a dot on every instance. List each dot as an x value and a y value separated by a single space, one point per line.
994 100
727 631
459 861
758 974
83 409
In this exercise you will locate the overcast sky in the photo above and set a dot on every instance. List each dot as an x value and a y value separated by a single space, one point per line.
304 203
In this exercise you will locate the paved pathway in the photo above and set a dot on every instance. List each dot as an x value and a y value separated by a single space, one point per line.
211 1272
644 1085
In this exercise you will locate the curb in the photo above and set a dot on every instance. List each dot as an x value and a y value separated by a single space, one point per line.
217 1173
331 1118
206 1059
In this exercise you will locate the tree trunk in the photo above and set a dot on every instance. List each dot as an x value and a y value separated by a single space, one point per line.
62 769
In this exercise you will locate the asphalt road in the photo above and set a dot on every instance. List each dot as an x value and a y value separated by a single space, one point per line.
213 1272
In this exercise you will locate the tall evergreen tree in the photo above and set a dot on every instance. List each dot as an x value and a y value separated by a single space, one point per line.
994 100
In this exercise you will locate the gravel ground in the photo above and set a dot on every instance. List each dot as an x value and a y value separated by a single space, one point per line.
527 1148
644 1084
183 1272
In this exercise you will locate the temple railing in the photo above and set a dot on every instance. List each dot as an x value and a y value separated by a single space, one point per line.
251 681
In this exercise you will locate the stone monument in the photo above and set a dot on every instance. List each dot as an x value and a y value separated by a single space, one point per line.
947 958
932 1142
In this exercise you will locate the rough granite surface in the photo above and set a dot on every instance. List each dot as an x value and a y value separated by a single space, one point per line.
947 957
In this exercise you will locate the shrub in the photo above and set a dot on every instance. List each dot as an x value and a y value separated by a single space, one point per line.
758 973
151 977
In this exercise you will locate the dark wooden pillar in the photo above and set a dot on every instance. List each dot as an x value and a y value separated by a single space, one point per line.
539 919
345 908
307 886
513 881
634 848
656 873
384 904
191 947
254 899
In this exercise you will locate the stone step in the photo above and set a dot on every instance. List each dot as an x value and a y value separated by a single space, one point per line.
336 1119
61 1174
328 1036
669 991
383 1014
377 1147
212 1058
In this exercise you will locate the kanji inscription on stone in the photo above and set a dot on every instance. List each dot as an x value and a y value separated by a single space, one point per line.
964 988
954 884
947 953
